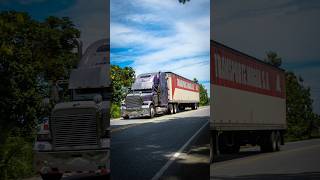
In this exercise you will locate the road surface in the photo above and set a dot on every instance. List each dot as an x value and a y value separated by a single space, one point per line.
145 149
296 160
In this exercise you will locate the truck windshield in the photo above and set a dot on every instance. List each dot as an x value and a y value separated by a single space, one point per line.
143 82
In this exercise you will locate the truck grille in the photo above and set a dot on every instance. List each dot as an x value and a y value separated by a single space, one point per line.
74 127
133 101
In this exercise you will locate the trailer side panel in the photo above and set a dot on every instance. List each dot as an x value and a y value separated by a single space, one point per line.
246 94
182 90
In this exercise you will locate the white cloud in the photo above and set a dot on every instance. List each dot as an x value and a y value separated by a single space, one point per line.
143 18
179 42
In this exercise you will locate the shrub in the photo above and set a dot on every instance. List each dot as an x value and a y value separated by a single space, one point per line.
115 111
16 158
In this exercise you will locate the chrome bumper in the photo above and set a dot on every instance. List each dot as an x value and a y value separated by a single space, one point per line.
71 162
135 112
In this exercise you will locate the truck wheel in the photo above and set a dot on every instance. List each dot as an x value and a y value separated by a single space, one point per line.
269 142
193 106
273 142
170 109
176 109
211 149
278 141
151 111
125 117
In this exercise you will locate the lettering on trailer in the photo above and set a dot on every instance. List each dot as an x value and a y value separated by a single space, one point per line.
181 83
186 85
235 70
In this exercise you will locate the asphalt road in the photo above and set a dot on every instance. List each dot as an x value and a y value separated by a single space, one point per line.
296 161
141 148
193 163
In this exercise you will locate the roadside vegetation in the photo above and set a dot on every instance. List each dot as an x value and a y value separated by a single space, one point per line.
302 121
204 99
33 55
122 78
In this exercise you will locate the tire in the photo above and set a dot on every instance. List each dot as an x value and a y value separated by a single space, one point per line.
278 141
273 141
170 109
211 149
151 111
125 117
193 107
269 142
176 109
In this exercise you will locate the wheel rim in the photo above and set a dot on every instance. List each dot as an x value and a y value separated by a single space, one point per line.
274 142
171 109
151 111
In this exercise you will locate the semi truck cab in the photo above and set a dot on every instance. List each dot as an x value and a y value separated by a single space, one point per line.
74 138
148 96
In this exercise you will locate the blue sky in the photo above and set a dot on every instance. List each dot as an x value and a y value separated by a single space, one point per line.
153 35
289 27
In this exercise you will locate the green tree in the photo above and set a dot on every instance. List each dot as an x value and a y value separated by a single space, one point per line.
300 116
301 119
122 78
31 54
204 99
273 59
